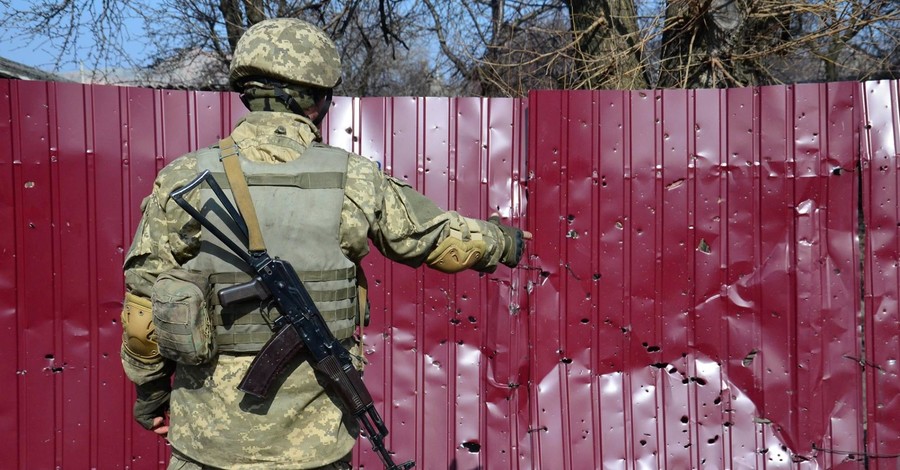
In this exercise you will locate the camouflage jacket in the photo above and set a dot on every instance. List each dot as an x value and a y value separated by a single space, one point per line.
299 427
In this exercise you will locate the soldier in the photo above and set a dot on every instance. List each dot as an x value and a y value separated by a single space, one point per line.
317 206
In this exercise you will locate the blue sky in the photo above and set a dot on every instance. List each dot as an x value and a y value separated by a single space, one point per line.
41 52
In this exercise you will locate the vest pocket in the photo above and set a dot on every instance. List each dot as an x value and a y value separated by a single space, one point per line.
181 317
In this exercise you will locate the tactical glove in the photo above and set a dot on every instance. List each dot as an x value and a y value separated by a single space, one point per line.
513 242
152 401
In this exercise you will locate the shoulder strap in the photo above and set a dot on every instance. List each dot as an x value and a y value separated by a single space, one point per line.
241 193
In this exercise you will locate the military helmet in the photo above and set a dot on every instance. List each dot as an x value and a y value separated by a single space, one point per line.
287 50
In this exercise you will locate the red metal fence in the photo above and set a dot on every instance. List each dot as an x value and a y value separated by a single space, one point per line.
696 294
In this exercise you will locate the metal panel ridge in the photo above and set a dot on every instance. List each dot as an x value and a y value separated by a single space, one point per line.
881 154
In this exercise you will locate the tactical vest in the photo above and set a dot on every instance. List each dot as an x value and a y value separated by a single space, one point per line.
298 204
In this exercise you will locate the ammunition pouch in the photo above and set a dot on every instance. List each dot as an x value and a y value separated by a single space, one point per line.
181 316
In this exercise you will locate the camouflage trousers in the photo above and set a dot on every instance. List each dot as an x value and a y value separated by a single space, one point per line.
178 462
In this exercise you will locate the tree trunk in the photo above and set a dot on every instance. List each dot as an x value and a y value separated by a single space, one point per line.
234 20
699 42
607 43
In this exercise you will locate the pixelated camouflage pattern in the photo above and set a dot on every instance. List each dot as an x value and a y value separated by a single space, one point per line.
288 50
214 423
208 422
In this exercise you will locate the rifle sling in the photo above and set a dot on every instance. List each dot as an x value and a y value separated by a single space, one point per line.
241 193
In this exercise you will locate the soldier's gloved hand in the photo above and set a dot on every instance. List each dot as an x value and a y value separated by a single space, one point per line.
514 243
152 403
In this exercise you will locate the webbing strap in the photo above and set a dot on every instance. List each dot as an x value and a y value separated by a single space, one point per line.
305 276
317 296
241 193
257 318
324 180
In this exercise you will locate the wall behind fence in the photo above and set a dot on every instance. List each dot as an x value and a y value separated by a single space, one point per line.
690 299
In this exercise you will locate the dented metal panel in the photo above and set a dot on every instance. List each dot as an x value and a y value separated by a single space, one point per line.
447 352
691 298
881 154
696 306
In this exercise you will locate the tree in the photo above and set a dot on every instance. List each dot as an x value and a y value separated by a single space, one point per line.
499 47
628 44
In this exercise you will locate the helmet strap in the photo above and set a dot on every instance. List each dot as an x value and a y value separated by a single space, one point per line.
324 106
285 101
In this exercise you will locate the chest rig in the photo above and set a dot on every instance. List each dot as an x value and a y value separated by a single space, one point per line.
298 205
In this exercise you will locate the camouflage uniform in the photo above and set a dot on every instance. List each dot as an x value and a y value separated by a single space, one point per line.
214 424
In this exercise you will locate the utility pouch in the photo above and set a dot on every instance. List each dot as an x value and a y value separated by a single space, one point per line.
184 331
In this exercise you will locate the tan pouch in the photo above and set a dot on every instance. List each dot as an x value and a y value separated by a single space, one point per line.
184 331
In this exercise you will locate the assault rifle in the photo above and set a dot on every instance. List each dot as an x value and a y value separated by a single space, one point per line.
300 325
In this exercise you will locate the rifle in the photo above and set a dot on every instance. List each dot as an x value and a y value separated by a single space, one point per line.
300 325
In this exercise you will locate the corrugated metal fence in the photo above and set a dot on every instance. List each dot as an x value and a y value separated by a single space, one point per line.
696 294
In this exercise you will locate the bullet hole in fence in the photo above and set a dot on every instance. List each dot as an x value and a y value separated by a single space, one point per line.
472 446
585 321
659 365
570 218
713 440
597 276
748 359
685 419
652 349
728 424
566 360
703 247
675 184
545 274
454 321
643 442
837 171
471 319
717 401
49 357
699 380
